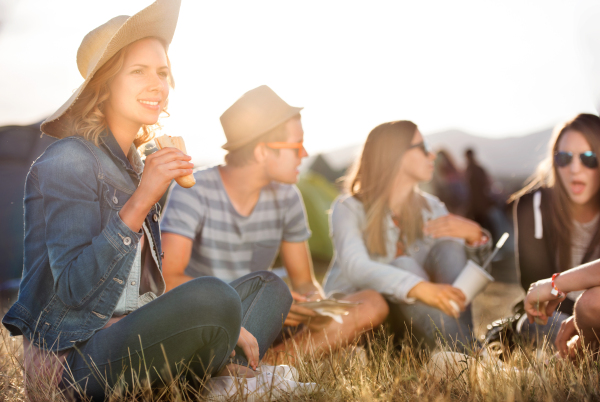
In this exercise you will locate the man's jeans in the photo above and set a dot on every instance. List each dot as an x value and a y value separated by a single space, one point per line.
191 329
425 324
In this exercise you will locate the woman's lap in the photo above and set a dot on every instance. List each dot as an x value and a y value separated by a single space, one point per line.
196 324
444 263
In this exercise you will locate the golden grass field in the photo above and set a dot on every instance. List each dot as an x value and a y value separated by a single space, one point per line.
387 373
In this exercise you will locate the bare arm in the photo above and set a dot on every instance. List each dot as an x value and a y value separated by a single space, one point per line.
297 262
540 302
178 250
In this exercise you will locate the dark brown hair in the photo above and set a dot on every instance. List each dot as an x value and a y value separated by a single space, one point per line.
547 176
370 180
245 155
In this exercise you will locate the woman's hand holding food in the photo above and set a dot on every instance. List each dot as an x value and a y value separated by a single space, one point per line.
453 226
439 296
161 167
540 302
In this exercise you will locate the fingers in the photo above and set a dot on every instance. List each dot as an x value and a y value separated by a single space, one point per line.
448 309
291 322
249 345
297 296
167 154
565 333
296 309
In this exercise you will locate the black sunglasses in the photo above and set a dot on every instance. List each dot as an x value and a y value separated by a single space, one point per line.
588 159
423 146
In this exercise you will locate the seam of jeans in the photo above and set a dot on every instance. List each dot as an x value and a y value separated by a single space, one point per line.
154 344
254 301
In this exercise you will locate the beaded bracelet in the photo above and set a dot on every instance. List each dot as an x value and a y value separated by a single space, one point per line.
555 290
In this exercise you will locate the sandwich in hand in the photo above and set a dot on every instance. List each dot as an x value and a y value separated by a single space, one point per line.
176 142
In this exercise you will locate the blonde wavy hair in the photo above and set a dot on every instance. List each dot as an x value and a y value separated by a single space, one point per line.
86 116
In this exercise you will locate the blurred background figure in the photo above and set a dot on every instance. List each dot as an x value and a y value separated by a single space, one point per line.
449 184
19 147
480 200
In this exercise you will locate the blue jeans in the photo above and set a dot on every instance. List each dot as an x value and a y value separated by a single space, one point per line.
191 329
538 333
443 264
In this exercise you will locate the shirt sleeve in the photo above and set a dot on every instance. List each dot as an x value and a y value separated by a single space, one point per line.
184 212
295 224
394 282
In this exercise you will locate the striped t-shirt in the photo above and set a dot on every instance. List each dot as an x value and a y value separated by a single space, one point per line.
228 245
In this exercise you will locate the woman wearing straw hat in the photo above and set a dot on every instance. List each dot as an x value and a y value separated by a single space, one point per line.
88 307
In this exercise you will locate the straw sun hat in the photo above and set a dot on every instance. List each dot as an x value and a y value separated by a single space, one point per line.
98 46
256 112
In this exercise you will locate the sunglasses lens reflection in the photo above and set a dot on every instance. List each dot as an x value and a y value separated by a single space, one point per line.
589 159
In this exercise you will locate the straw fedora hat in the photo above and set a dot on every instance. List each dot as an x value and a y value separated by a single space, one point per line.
256 112
98 46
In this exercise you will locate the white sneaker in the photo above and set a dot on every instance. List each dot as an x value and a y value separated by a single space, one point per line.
283 371
265 386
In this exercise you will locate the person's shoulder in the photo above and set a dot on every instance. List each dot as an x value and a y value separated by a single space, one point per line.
207 178
436 207
74 153
544 193
431 200
348 201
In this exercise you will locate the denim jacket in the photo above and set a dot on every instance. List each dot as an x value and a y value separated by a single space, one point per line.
78 252
353 268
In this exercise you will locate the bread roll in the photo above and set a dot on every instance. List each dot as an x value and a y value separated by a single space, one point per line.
176 142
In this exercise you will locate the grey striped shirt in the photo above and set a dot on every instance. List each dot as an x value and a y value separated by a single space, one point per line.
228 245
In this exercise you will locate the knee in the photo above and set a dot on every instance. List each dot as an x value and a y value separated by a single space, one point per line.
277 288
208 297
587 310
448 248
374 309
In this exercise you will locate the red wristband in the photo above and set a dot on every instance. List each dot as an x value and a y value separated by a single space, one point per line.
555 290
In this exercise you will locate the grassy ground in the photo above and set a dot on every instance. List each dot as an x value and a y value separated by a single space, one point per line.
387 373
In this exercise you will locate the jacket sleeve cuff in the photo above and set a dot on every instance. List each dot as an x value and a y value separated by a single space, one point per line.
121 236
407 286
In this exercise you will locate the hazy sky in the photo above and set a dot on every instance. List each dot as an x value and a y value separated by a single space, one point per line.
488 67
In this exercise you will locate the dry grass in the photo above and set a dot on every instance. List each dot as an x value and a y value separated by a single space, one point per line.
388 374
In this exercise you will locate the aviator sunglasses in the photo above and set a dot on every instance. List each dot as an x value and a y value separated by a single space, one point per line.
588 159
422 146
298 146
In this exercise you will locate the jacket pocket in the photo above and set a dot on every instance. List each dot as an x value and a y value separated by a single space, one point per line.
263 255
113 197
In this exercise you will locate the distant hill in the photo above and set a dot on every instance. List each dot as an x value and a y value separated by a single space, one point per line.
503 157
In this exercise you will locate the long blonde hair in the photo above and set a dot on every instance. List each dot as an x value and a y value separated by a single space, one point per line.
547 177
86 117
370 180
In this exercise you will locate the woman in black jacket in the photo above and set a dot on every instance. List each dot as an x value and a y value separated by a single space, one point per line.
556 215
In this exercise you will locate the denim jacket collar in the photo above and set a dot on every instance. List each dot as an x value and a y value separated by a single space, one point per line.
109 143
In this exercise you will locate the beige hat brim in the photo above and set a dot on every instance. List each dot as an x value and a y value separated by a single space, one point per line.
233 145
157 20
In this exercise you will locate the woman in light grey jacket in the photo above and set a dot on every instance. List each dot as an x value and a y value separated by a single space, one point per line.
401 242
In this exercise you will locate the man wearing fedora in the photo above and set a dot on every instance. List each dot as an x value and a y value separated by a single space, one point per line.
239 215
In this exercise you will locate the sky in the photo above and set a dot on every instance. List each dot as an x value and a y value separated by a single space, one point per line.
486 67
